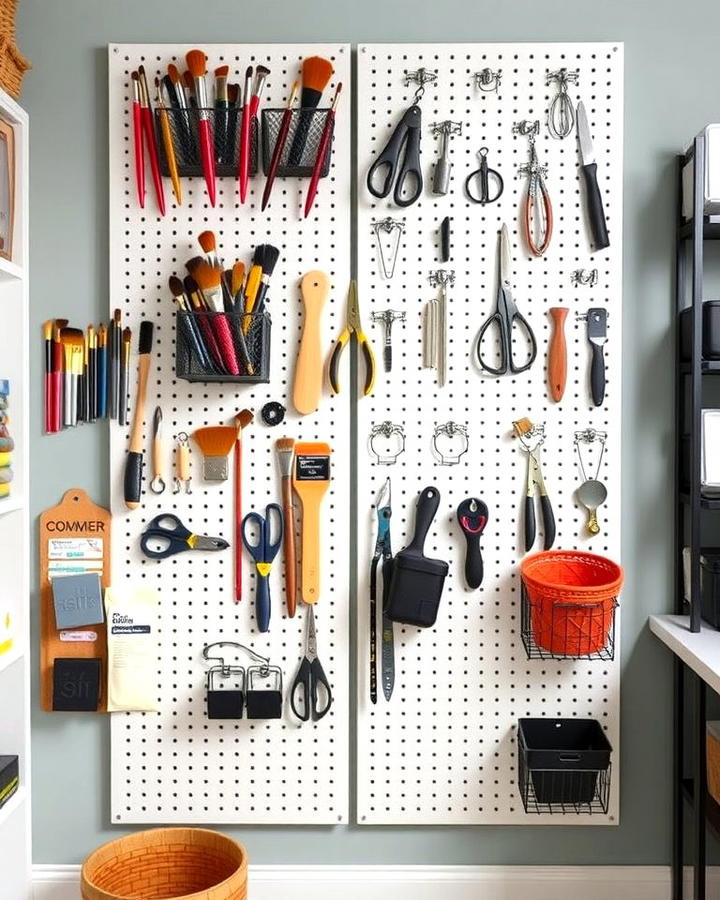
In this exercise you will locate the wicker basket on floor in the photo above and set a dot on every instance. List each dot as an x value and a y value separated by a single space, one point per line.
168 863
13 64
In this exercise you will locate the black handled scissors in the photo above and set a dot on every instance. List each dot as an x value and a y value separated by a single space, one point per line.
263 552
406 136
506 317
174 537
309 677
484 175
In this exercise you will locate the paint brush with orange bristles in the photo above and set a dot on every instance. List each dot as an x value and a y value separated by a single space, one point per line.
209 280
196 64
316 73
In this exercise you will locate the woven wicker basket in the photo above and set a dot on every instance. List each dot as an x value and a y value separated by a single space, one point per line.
8 10
13 66
168 863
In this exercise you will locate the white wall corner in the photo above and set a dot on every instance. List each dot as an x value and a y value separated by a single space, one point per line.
426 882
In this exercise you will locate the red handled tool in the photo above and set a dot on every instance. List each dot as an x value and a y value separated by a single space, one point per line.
138 140
148 127
323 150
250 111
197 65
279 145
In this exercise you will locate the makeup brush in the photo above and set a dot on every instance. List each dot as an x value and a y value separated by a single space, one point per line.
221 116
323 150
189 325
168 143
124 376
48 338
73 342
102 372
279 145
138 139
196 64
285 451
195 296
249 113
242 420
149 137
316 73
209 280
268 258
134 460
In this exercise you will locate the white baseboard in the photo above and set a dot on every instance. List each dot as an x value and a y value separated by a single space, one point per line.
426 882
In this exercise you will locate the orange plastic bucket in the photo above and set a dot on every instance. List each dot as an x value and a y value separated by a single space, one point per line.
572 597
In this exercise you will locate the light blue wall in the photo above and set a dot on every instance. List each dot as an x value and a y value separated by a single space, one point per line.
671 92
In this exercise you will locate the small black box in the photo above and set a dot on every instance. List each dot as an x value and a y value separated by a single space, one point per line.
9 778
710 331
76 685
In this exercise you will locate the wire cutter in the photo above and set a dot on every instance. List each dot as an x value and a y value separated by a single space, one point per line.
382 551
352 326
174 537
506 317
535 479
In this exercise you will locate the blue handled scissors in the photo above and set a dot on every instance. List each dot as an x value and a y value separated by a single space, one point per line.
309 677
508 320
263 552
167 531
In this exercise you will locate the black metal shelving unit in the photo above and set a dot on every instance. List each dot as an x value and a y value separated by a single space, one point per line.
690 776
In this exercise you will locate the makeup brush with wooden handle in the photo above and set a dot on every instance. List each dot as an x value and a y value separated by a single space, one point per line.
134 460
307 388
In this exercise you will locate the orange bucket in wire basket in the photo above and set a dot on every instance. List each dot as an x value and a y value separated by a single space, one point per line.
572 597
167 863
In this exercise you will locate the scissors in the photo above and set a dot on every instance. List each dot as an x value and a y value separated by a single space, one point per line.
174 538
309 676
506 317
484 175
405 137
263 552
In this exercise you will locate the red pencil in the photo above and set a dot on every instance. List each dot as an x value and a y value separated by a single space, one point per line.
323 150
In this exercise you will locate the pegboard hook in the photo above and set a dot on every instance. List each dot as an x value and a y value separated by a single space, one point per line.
226 667
421 77
488 81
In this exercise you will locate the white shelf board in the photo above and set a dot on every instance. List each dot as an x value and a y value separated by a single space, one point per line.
10 271
12 503
12 656
700 651
13 804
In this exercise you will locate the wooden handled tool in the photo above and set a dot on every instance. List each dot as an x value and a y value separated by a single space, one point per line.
557 354
285 450
311 479
307 388
134 461
242 420
157 485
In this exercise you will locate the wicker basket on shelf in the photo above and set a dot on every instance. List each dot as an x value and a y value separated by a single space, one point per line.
169 863
13 66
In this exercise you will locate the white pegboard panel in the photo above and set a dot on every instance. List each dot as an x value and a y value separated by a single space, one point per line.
177 766
443 750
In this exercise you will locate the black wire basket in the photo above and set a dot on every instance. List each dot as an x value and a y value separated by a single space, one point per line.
302 143
210 346
563 629
563 766
225 128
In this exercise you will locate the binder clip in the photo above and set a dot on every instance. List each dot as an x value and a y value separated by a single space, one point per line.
264 696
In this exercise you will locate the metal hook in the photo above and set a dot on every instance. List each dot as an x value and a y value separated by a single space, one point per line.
488 81
585 277
421 77
225 667
450 430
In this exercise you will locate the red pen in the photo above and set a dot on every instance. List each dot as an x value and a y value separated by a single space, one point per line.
149 135
323 150
196 63
138 140
250 111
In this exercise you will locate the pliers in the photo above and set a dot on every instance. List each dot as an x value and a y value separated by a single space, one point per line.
352 326
535 479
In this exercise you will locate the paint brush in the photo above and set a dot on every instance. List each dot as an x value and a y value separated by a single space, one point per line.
102 362
189 325
124 377
222 104
138 139
196 64
149 137
267 257
250 110
57 374
48 339
188 150
242 420
91 389
115 354
73 343
194 295
134 459
168 143
316 73
323 150
285 451
209 280
279 145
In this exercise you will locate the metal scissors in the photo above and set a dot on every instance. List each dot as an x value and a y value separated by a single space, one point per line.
484 175
174 538
263 552
506 317
309 676
405 137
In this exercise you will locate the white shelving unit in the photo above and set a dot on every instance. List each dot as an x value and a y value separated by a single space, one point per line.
15 530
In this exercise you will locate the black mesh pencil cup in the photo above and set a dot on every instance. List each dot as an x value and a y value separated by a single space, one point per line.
225 126
223 347
302 144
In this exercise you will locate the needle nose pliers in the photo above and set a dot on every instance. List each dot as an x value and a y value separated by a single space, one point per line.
353 325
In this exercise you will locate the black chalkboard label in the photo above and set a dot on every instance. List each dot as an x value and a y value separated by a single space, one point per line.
312 468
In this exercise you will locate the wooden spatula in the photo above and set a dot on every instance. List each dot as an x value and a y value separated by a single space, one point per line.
307 388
